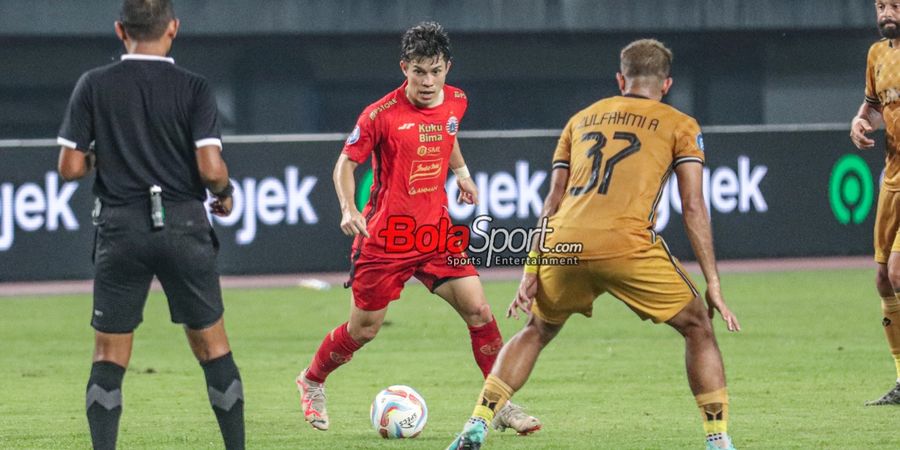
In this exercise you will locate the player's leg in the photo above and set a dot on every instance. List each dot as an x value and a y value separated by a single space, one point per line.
517 359
184 261
562 291
466 296
705 371
890 308
340 343
510 372
375 284
223 380
655 286
460 287
887 281
335 350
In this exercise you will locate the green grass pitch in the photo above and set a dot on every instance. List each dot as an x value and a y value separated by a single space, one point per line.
812 351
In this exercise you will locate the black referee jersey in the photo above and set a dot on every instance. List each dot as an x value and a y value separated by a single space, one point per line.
145 117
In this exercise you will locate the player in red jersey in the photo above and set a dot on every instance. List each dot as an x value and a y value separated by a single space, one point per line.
411 136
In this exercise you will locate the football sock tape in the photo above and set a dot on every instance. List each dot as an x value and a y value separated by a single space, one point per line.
714 410
493 396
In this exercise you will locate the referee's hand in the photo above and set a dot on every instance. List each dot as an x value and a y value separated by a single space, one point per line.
221 206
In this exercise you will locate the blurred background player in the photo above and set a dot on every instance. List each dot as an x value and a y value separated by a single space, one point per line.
411 135
609 169
152 123
881 107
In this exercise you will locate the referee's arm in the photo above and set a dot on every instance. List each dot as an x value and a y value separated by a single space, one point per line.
74 164
214 174
212 168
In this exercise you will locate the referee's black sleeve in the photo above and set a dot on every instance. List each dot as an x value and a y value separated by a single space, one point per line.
77 130
205 116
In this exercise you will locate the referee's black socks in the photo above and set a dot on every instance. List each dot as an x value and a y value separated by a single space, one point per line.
226 395
104 403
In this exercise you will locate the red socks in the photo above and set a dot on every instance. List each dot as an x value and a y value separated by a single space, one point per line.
336 350
486 344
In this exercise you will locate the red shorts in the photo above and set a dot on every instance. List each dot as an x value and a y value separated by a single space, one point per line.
378 281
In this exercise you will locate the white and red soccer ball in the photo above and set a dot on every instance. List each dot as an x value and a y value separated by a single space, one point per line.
399 412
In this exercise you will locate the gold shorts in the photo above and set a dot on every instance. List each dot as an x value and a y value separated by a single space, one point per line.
887 222
651 282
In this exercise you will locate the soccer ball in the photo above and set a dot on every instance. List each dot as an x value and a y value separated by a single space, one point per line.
399 412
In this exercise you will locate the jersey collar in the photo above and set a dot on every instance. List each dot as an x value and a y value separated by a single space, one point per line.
140 57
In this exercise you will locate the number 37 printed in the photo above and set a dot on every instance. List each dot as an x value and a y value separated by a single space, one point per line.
595 152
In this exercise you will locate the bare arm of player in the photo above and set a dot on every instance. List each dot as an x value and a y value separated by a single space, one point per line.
214 175
468 191
866 120
74 164
528 287
696 224
352 222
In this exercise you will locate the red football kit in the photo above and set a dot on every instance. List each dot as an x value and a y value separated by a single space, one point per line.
410 148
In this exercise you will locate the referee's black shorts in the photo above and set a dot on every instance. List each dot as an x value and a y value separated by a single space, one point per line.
128 253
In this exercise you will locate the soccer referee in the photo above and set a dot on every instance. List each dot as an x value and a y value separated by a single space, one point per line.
151 130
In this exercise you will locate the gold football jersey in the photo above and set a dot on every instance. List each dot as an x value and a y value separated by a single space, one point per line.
620 152
883 88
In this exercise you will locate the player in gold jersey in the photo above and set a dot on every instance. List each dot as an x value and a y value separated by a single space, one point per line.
882 106
609 169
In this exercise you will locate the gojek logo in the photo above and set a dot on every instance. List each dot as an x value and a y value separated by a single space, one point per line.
31 206
851 189
270 201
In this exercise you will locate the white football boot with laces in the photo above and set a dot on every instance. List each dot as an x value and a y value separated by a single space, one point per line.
312 398
513 416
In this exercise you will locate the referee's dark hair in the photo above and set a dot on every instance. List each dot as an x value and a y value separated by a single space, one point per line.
425 40
146 20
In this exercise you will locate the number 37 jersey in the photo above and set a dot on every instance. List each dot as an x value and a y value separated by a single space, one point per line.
620 153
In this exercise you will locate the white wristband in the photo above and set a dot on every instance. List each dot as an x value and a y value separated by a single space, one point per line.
461 172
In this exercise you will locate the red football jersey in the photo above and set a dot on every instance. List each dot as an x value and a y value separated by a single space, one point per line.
410 148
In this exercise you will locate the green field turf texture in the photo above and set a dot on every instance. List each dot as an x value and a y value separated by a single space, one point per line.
812 351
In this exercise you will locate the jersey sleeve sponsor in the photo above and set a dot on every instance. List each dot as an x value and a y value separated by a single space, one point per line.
77 129
365 135
460 98
361 141
563 153
204 119
871 91
688 142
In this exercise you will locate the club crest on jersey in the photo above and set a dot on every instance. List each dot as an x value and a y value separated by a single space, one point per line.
700 142
354 136
452 125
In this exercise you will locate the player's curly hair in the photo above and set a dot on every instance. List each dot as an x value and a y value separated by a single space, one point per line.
146 20
425 40
646 57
